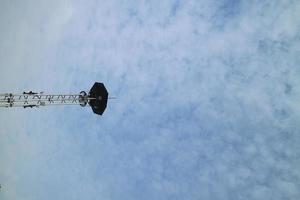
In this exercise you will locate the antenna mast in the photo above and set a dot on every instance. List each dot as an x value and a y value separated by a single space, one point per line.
96 98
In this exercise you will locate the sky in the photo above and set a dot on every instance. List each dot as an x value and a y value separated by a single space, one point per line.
208 99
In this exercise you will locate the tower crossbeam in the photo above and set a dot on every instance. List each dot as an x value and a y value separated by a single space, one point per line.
96 98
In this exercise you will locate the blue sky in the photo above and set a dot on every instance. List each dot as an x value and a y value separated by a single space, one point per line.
208 99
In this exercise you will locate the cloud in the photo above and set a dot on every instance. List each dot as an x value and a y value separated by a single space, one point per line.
28 31
207 104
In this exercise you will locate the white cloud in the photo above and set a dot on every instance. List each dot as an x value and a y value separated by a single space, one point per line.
29 30
207 98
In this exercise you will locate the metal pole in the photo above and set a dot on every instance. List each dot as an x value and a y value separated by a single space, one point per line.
37 99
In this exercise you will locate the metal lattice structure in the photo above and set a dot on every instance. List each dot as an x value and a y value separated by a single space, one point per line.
96 98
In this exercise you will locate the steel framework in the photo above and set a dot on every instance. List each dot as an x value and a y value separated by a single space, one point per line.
96 98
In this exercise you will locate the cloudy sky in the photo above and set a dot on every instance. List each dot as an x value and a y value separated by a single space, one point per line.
208 99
